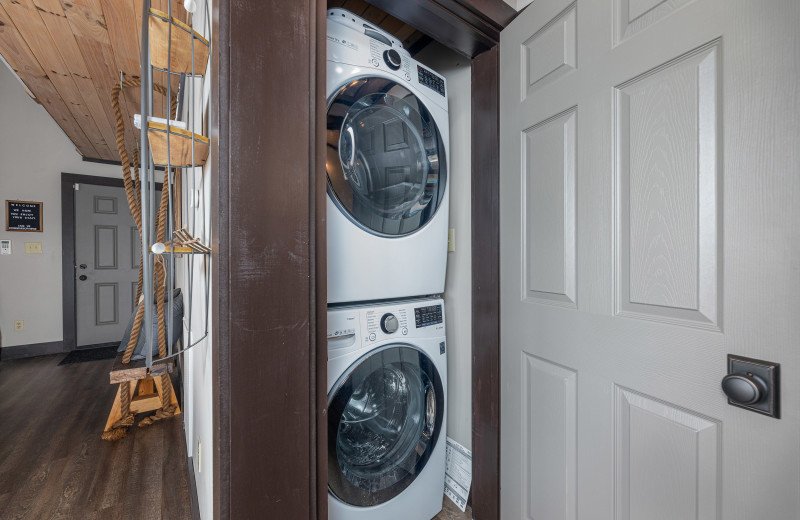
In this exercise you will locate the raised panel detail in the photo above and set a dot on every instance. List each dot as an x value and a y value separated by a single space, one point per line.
105 247
551 52
105 205
668 245
548 180
106 303
136 247
667 460
134 288
634 16
549 440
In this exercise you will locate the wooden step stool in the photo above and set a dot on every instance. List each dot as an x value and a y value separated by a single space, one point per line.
149 396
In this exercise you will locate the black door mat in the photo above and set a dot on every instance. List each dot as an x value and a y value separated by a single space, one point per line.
89 354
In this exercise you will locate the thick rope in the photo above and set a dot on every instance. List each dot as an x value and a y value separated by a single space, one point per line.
132 185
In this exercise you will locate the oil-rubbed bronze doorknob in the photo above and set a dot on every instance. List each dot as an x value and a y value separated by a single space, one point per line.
82 278
744 388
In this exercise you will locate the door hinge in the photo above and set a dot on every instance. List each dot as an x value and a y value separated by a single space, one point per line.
76 186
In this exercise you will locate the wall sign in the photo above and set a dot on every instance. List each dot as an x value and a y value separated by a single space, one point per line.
23 215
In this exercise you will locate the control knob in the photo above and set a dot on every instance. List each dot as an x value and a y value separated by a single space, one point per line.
389 323
392 59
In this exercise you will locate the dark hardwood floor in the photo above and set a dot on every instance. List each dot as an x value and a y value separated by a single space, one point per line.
451 512
53 464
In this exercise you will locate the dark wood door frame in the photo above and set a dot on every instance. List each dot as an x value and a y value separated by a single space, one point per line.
269 264
68 302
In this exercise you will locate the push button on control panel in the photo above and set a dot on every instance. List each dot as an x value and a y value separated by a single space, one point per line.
426 316
430 80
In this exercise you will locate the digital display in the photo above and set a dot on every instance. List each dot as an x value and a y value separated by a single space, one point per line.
430 80
426 316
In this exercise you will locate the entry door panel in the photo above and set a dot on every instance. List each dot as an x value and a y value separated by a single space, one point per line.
105 241
649 201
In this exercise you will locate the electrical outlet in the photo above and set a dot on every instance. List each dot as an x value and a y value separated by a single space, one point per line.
33 248
19 325
451 240
199 456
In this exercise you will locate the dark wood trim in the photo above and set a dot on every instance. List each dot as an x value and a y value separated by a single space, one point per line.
486 285
68 302
32 350
69 323
319 246
469 27
115 163
267 227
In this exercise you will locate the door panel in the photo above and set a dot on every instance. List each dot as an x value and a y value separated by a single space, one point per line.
649 192
106 243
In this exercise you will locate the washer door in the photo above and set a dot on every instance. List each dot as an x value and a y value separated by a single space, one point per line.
384 418
385 157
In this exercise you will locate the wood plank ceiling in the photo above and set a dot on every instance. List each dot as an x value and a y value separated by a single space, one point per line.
413 40
70 54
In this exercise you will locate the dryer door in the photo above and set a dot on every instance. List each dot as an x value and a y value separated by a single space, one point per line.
384 418
385 157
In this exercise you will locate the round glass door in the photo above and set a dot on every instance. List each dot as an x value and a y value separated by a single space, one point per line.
384 418
385 157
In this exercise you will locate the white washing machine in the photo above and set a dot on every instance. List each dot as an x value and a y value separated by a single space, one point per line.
386 159
387 383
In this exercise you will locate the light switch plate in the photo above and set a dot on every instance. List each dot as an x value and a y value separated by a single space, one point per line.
5 247
33 248
451 240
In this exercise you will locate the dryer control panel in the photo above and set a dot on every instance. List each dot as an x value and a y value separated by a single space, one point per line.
430 79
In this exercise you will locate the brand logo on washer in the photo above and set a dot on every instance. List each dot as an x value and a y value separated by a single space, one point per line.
441 348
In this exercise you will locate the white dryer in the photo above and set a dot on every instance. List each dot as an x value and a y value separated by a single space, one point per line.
387 150
387 382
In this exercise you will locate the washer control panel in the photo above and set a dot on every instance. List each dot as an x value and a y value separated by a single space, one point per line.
427 316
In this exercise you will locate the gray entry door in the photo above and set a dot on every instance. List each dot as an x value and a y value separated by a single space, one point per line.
650 201
107 255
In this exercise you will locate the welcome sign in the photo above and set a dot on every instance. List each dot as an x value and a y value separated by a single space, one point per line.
23 215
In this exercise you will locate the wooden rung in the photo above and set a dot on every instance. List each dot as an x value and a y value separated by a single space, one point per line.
136 370
171 47
145 403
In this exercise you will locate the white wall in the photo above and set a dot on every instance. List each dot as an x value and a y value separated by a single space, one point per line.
33 153
457 71
197 363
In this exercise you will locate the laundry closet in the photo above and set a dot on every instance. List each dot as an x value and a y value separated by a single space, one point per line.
398 341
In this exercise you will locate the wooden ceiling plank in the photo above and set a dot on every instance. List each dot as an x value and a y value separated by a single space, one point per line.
391 25
405 32
89 27
61 32
28 20
374 15
17 53
86 20
355 6
121 20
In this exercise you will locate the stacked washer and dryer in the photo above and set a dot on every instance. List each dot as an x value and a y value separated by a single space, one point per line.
387 210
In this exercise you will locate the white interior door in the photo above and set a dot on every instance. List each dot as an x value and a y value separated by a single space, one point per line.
107 252
649 205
